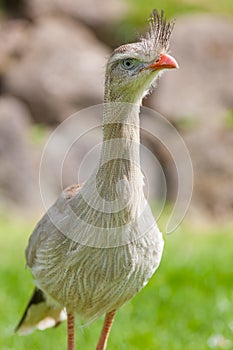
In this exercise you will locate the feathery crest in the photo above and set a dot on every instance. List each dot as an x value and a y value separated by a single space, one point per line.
158 35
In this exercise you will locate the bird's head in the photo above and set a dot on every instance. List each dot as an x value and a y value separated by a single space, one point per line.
132 69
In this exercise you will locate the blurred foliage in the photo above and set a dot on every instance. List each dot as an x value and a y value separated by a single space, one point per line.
229 119
39 133
188 122
140 9
186 305
15 7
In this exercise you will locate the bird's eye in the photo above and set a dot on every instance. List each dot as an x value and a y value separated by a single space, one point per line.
128 63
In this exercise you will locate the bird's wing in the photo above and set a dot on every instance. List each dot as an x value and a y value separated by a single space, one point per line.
40 312
45 226
71 191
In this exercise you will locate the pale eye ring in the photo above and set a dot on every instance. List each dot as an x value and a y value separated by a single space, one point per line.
128 63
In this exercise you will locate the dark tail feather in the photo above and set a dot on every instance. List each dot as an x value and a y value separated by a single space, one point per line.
39 314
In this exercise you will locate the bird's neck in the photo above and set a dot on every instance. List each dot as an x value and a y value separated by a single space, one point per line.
121 127
118 179
120 154
111 205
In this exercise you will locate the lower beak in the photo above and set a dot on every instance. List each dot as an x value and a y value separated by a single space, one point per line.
165 61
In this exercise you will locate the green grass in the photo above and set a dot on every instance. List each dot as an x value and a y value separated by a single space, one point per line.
188 301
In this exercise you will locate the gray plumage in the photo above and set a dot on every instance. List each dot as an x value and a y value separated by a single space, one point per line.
99 244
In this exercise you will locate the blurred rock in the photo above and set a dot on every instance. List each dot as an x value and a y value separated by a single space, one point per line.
197 99
61 72
91 12
71 153
202 88
17 168
211 154
15 36
55 66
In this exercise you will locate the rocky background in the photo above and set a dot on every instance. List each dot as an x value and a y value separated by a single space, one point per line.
52 58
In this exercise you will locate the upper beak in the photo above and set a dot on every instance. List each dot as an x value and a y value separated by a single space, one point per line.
165 61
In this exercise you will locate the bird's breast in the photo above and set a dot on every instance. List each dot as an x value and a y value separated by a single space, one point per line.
92 281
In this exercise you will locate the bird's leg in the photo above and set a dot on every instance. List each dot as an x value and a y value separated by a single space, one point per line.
105 330
70 332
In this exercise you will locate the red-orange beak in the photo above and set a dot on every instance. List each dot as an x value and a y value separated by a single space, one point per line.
164 62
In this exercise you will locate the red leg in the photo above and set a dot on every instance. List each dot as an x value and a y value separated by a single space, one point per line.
105 330
70 332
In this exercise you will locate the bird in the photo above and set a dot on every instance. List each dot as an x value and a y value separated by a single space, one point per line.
98 245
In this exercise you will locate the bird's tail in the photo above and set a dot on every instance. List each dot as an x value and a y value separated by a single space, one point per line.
39 314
